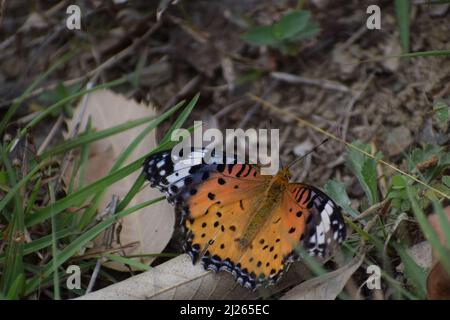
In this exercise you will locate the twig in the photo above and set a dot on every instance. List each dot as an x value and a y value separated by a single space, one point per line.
355 36
107 240
50 135
249 114
326 84
188 87
2 8
351 104
371 210
125 52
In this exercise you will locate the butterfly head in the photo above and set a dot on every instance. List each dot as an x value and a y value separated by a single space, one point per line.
284 174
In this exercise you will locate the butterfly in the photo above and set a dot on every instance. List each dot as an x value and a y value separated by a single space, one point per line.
238 220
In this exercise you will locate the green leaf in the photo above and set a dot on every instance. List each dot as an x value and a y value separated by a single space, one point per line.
336 190
16 289
260 35
290 24
364 168
398 182
446 180
442 111
369 174
420 155
311 29
416 275
402 11
293 26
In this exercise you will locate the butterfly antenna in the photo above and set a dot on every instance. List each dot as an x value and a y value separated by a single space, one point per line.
309 152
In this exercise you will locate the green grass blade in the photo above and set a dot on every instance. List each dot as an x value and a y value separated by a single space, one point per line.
43 242
181 119
127 261
15 291
48 111
402 12
81 241
15 189
90 137
82 194
135 188
16 233
56 289
17 103
84 157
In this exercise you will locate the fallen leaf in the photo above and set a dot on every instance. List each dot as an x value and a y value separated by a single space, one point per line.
327 286
151 227
179 279
438 281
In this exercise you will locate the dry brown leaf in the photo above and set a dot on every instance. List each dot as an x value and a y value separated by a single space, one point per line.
438 281
179 279
151 227
327 286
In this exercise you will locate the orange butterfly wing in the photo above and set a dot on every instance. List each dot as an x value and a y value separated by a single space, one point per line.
218 202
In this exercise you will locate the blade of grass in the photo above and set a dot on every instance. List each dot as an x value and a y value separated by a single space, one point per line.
60 104
17 103
166 140
141 179
15 291
181 119
135 188
90 137
15 189
56 289
80 195
127 261
43 242
84 156
33 196
402 12
81 241
16 233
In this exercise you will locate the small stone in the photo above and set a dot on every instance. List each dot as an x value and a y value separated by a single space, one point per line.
397 140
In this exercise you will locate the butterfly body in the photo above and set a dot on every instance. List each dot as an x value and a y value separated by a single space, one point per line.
273 195
243 222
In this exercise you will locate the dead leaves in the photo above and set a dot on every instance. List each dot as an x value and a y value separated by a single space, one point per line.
179 279
152 227
327 286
